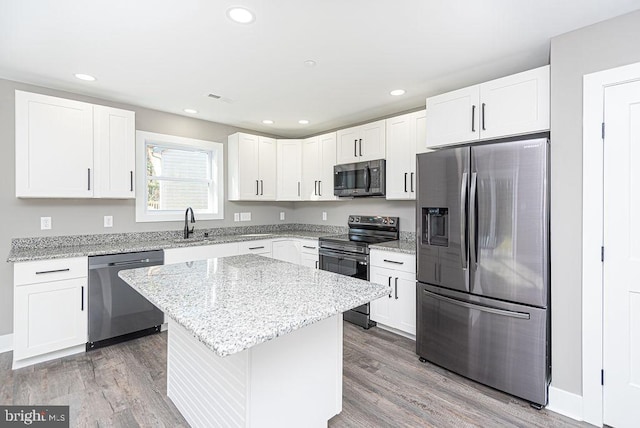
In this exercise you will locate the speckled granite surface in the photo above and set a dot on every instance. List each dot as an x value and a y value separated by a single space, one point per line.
233 303
407 247
27 249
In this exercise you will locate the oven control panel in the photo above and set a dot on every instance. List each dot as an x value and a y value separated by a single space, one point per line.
366 220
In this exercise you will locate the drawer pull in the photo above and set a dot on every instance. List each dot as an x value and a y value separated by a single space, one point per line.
394 262
82 298
309 247
256 248
478 307
52 271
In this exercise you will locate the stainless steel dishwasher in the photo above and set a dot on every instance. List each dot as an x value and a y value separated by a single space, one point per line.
117 312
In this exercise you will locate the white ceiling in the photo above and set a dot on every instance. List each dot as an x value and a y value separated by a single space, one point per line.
169 54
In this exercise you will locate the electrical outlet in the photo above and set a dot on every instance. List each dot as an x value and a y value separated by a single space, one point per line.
236 216
108 221
324 215
45 223
245 216
281 215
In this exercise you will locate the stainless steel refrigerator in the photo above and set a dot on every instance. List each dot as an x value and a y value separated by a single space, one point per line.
483 264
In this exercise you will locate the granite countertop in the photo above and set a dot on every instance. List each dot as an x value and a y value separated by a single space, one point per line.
58 247
233 303
406 247
93 245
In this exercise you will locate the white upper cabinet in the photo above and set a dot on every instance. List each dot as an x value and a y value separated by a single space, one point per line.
289 173
114 140
361 143
252 167
318 160
72 149
512 105
405 136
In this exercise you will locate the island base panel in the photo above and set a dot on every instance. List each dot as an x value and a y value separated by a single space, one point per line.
291 381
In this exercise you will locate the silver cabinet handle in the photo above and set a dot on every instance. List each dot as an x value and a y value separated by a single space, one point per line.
394 262
88 178
483 108
473 118
256 248
131 179
389 287
396 288
488 309
52 271
463 221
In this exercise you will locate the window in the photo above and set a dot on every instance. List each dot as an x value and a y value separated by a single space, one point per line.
175 173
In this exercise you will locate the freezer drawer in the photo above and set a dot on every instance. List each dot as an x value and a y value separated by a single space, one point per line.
499 344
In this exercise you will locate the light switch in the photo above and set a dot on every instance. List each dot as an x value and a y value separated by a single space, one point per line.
108 221
45 223
281 215
236 216
245 216
324 215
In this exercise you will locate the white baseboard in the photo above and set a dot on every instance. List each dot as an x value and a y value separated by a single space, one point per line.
6 343
565 403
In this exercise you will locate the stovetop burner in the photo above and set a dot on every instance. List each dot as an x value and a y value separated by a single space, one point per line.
365 230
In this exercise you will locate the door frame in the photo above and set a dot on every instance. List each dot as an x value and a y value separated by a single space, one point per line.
593 234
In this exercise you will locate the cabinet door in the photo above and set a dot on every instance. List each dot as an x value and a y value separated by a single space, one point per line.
309 260
267 168
453 117
381 309
348 142
49 316
289 167
114 145
286 250
311 164
54 147
404 302
248 161
517 104
327 161
401 156
373 141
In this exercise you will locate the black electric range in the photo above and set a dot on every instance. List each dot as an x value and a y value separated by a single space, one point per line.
348 254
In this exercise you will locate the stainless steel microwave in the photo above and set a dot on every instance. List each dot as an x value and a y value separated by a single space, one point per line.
360 179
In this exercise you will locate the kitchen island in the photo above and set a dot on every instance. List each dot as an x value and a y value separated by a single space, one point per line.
253 341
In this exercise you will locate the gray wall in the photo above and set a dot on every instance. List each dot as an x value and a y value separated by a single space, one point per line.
21 217
598 47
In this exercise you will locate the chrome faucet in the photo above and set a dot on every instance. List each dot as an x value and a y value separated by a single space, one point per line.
188 232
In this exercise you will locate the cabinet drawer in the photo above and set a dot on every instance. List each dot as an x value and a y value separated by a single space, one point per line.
309 247
49 270
255 247
391 260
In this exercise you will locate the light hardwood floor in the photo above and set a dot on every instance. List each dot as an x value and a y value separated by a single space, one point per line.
384 386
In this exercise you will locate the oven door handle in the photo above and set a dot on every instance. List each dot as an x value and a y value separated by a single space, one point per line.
343 256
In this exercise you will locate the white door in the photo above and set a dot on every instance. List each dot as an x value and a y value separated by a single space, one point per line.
248 182
404 305
289 174
311 164
401 156
382 308
267 167
621 356
453 117
327 162
373 145
349 141
114 139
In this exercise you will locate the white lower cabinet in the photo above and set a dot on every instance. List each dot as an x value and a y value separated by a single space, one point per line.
261 247
309 256
299 251
397 310
50 310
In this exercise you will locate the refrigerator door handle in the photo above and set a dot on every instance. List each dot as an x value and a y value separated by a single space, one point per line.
496 311
473 220
463 221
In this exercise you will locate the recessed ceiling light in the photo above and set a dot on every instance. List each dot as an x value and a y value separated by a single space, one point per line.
190 111
397 92
241 15
310 63
303 122
87 77
268 122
